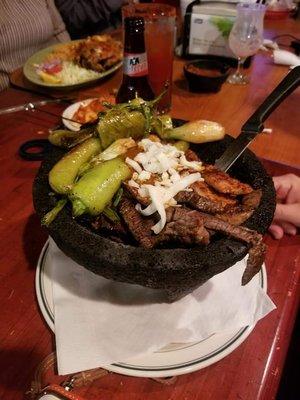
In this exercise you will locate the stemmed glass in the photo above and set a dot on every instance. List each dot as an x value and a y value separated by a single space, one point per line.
246 37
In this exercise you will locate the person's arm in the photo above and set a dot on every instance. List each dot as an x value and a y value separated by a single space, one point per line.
287 214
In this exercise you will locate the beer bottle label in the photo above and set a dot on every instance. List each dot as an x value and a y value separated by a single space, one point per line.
135 64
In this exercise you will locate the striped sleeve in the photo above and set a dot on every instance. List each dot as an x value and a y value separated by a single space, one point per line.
26 26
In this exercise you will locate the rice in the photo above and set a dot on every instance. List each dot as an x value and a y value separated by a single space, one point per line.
73 73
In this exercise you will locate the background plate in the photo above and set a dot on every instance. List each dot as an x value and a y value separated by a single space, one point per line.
69 112
37 58
174 359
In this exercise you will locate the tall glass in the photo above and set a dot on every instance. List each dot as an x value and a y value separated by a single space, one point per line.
159 40
246 36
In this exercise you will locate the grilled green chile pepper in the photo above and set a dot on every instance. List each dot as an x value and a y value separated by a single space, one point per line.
67 139
181 145
118 124
95 189
52 214
65 171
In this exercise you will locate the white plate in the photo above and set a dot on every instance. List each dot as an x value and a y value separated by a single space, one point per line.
70 111
174 359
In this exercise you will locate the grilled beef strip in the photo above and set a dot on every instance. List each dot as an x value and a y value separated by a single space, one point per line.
134 193
139 227
193 199
184 226
192 227
235 216
198 202
254 239
114 230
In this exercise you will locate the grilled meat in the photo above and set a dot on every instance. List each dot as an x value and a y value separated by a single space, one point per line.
252 200
104 225
201 198
198 202
190 155
134 193
184 226
214 207
239 214
235 216
139 227
202 189
218 183
223 183
98 53
254 239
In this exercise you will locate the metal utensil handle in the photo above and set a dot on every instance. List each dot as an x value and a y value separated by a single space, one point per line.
82 126
55 115
285 87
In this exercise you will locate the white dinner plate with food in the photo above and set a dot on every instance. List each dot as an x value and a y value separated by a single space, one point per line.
174 359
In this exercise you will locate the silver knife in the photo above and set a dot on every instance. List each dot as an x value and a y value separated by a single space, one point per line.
254 125
26 106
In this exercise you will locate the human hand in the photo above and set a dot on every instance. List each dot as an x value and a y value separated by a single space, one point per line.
287 213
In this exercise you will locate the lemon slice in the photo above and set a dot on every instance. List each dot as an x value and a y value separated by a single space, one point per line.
49 78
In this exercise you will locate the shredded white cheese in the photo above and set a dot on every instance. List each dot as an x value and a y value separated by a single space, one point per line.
172 175
133 183
160 197
144 176
190 164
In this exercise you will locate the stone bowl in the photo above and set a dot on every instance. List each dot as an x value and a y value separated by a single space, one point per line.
177 271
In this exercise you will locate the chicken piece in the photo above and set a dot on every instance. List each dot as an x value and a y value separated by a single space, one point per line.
202 189
139 227
257 250
98 53
239 214
219 180
190 155
223 183
251 200
185 226
235 216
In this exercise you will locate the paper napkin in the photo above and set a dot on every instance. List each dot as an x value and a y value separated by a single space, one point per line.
99 321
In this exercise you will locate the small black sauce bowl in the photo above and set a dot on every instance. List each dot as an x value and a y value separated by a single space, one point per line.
205 84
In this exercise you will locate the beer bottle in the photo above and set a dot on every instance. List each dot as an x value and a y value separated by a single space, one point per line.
135 65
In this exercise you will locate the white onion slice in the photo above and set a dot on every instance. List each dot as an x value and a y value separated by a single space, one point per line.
136 166
160 196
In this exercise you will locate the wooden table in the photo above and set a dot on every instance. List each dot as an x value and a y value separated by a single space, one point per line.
253 370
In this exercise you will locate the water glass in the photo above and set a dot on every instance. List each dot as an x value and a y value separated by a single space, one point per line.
246 36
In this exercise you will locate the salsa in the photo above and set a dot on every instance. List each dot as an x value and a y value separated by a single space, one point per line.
210 73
